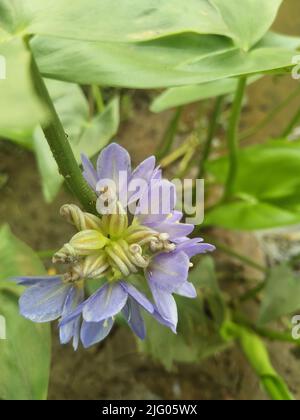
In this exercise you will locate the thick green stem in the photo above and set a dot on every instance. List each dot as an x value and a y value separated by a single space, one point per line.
293 123
169 135
60 147
232 138
211 133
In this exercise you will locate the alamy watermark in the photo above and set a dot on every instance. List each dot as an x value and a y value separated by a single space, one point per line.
296 327
158 198
296 68
2 328
2 67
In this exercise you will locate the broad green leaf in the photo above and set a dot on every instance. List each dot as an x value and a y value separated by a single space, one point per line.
270 199
139 20
247 20
277 163
198 336
250 214
184 95
281 294
172 61
20 108
25 354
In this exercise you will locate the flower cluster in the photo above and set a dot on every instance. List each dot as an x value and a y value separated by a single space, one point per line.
126 238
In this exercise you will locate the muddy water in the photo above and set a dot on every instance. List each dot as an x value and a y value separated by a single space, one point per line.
114 369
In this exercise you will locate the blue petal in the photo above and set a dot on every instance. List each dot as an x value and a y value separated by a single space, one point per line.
105 303
187 289
143 172
175 230
71 329
94 332
168 271
34 280
44 301
158 200
166 305
89 172
156 315
112 160
133 316
137 296
194 247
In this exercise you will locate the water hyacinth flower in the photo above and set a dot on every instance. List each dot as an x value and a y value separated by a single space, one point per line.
136 231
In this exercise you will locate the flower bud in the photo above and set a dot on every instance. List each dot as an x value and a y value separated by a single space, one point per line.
88 241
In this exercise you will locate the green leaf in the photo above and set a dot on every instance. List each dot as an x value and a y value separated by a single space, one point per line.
176 60
198 334
268 200
247 20
184 95
20 108
281 294
25 354
250 215
140 20
262 159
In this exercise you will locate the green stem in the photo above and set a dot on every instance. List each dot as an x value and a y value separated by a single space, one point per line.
293 123
270 117
251 294
243 258
232 137
98 98
60 146
169 135
211 134
266 332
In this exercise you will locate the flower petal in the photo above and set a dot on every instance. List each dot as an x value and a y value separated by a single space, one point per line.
187 289
94 332
105 303
156 315
194 246
138 296
143 172
71 329
45 301
166 305
89 172
34 280
158 200
112 160
175 230
168 271
133 316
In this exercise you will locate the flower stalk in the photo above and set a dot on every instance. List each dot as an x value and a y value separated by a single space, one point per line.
232 138
60 146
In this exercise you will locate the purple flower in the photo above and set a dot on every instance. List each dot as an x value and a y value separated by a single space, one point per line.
49 298
138 232
99 310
